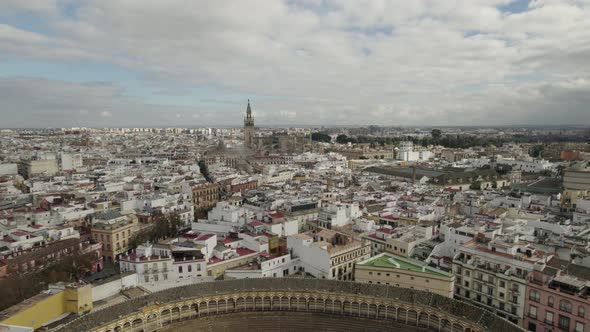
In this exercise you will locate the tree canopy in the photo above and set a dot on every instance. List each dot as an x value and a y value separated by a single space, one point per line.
321 137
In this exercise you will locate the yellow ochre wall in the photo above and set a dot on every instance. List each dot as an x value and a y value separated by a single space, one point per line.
76 300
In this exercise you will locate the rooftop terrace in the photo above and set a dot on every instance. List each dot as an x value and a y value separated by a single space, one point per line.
387 261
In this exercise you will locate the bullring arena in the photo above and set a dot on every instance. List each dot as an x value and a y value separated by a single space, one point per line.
290 304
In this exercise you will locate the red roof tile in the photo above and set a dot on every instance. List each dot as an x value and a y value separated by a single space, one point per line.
276 215
205 237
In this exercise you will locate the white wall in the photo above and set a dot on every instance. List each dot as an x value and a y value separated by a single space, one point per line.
14 328
221 229
111 288
314 260
8 169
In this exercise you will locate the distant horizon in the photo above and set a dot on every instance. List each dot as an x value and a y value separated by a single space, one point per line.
285 126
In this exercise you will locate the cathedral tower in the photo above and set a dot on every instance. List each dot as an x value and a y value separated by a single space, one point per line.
249 127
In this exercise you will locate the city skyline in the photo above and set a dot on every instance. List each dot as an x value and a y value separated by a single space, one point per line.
302 63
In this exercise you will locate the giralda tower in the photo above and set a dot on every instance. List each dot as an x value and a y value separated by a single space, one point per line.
249 127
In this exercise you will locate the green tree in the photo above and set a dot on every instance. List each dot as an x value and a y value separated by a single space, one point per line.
475 185
436 134
162 227
342 139
321 137
537 151
205 170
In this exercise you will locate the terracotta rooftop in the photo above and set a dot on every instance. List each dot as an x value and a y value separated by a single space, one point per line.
276 215
386 230
204 237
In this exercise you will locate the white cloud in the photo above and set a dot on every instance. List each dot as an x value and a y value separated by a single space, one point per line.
337 61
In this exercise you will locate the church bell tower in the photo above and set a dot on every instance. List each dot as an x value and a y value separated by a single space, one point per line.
249 127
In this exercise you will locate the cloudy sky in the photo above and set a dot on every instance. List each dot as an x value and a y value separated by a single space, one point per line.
332 62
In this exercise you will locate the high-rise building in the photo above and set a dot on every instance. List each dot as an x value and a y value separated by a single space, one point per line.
249 127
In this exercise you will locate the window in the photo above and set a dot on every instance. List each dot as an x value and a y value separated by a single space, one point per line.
581 311
165 276
549 317
146 278
156 277
579 327
533 312
190 268
502 284
550 301
180 269
534 296
565 306
467 273
564 322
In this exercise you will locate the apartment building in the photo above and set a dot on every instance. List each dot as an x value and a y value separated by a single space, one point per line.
327 254
115 232
558 300
495 274
576 185
205 195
